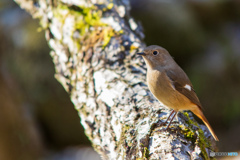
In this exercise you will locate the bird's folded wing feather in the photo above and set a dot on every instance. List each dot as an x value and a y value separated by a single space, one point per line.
179 82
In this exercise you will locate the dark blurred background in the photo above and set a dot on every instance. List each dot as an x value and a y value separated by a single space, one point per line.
37 118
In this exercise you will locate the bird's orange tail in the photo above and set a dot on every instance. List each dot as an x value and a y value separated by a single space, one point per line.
199 113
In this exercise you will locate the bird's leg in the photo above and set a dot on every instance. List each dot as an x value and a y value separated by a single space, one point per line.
154 125
169 116
171 120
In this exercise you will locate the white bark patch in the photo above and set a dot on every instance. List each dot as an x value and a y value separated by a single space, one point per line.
133 24
106 88
110 21
188 87
121 11
143 126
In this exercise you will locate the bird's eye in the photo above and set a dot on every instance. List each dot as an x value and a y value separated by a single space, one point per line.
155 53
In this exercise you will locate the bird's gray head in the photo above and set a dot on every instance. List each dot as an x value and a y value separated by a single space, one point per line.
156 56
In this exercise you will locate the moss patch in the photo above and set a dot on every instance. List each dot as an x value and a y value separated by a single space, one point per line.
87 22
146 153
201 141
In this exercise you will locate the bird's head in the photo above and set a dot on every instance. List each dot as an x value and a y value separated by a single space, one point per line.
156 57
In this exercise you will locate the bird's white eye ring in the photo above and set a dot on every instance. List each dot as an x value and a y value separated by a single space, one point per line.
155 53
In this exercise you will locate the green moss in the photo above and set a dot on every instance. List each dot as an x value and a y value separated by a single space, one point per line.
110 6
60 12
107 36
125 129
189 134
146 153
84 19
201 141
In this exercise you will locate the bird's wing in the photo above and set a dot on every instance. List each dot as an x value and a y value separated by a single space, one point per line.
183 85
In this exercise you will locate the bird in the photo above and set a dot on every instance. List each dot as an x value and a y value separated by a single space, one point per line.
170 84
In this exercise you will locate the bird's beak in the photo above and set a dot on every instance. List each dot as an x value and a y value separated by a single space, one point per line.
141 54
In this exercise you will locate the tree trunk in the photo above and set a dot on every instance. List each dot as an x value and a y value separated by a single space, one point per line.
94 44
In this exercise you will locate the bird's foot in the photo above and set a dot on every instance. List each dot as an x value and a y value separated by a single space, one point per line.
159 123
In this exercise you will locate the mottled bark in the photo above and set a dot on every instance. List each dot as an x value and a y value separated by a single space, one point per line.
94 44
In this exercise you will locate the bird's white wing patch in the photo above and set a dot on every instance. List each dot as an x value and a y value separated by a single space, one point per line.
188 87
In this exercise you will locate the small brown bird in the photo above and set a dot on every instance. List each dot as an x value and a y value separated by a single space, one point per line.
170 84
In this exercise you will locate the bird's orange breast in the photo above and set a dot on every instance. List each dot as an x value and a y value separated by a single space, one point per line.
161 87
